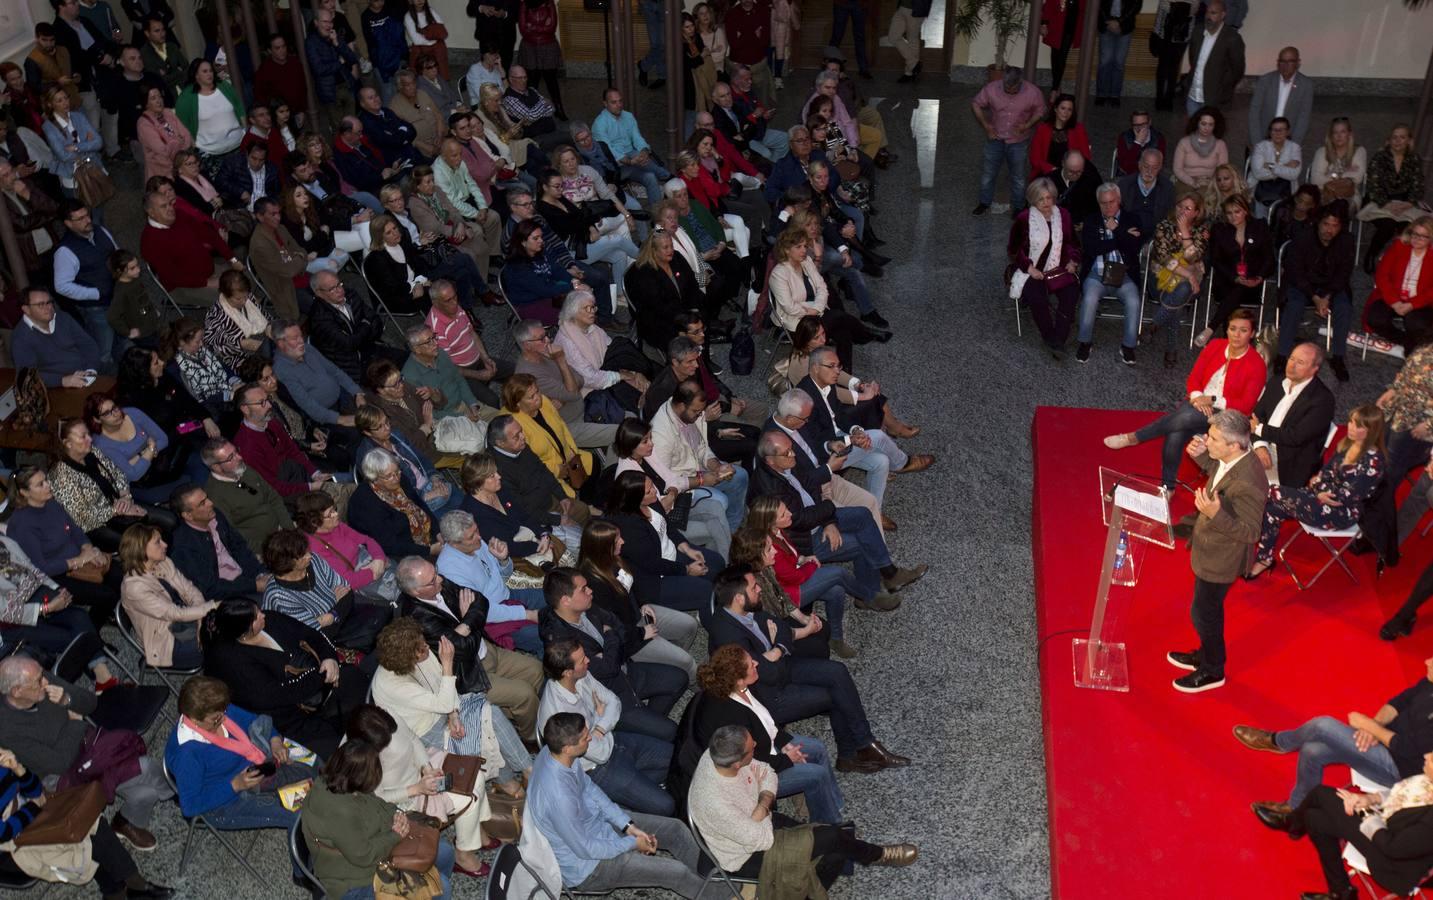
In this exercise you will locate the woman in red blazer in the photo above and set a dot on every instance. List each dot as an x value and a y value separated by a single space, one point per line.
1229 374
1057 135
1397 292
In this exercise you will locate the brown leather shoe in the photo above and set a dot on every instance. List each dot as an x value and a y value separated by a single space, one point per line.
892 760
887 523
1257 739
1278 816
138 838
917 462
882 602
904 577
903 430
864 762
490 298
897 855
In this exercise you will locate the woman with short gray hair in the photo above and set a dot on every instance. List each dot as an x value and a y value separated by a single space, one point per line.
390 510
1044 262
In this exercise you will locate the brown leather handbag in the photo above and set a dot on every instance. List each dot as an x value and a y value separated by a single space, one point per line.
463 772
67 817
416 851
94 573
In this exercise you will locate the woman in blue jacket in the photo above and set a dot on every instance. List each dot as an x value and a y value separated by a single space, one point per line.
72 138
530 280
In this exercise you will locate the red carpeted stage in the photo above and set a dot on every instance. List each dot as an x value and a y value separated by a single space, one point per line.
1148 791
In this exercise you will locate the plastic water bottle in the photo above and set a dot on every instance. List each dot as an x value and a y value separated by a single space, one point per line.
1122 552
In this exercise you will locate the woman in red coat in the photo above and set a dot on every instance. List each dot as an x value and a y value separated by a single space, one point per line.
1403 286
540 54
1057 135
1229 374
1060 31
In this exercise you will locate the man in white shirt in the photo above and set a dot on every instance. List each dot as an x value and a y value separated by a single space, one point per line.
1292 418
679 441
1216 60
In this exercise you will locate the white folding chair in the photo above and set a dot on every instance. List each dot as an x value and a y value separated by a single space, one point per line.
717 873
1355 861
1326 537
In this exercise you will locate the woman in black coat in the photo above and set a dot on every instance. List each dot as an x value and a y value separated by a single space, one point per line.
375 509
1241 252
1399 852
393 270
659 285
143 383
302 685
668 571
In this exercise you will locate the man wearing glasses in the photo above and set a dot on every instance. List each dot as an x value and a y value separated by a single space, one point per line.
266 447
1139 137
246 500
1283 92
559 255
49 340
548 363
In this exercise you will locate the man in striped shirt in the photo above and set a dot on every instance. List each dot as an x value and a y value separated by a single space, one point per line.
460 340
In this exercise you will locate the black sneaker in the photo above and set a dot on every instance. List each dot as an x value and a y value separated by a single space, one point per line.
1057 352
641 76
1197 682
878 320
905 79
1340 368
1187 661
1083 354
980 210
1127 355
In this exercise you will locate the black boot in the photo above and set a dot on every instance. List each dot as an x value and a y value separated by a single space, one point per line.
1401 625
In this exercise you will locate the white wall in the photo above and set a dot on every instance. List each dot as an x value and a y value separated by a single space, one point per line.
1337 38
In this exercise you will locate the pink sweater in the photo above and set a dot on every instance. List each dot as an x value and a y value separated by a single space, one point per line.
339 548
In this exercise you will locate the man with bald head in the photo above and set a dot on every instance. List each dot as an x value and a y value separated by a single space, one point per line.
1283 92
1075 184
1216 60
532 110
1291 419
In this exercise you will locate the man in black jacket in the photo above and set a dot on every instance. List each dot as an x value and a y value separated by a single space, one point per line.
1317 269
202 536
94 63
648 691
794 688
1291 420
832 533
1110 239
343 327
536 492
443 610
816 460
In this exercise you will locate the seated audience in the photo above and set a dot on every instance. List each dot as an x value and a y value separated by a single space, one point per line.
1407 320
56 546
680 445
1276 167
1110 242
391 266
300 215
1394 194
322 391
617 128
523 105
1241 253
359 160
484 565
1177 258
668 570
1340 166
250 176
459 338
47 339
56 623
1147 193
182 258
1076 181
549 437
208 380
629 767
418 473
394 513
280 261
344 327
308 590
1057 134
160 133
410 410
137 446
434 212
209 551
164 606
94 492
1291 420
1200 151
267 448
1133 142
599 846
798 290
530 279
661 284
1229 374
593 239
596 360
417 110
385 131
356 558
699 511
215 755
872 407
1226 183
1380 829
253 507
497 515
1044 260
235 326
1317 267
429 367
809 634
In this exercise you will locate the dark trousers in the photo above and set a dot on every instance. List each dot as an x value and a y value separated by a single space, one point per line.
1058 56
99 599
1422 590
116 866
1207 614
1176 428
1232 295
1166 71
106 537
1328 826
659 685
1405 453
1417 328
843 11
1054 325
739 451
824 685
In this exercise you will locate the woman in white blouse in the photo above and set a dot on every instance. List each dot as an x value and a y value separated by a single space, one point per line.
426 34
1275 167
1340 166
213 113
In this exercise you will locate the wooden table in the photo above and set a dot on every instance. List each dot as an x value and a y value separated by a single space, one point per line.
65 403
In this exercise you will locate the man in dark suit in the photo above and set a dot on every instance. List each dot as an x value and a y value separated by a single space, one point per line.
648 691
1109 238
833 533
535 491
1225 531
794 688
816 458
443 610
343 327
198 541
1291 420
1076 181
1216 61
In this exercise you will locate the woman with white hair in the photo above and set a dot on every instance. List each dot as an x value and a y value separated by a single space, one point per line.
385 506
600 361
1044 262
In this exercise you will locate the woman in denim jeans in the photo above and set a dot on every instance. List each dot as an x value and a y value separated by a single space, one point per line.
1180 243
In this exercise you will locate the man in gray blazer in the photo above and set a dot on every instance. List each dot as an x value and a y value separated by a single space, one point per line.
1216 61
1284 92
1225 530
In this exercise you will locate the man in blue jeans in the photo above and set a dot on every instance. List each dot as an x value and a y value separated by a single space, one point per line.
652 68
617 128
1109 243
1008 110
1385 748
1117 21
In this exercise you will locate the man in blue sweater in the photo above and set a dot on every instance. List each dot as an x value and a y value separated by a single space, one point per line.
51 341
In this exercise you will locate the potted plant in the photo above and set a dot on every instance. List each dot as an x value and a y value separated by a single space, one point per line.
1008 17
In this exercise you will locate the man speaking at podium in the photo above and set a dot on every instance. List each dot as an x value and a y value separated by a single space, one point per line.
1225 530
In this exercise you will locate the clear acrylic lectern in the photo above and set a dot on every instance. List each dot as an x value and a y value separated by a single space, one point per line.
1135 512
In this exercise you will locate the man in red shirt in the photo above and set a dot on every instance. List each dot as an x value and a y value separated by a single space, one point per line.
183 258
281 77
748 32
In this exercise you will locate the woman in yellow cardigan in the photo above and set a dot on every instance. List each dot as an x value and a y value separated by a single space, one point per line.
548 436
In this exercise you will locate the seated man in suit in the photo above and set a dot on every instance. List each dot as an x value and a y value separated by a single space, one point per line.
536 492
629 766
245 177
833 533
510 680
210 552
792 687
873 452
816 460
389 133
733 442
1110 238
1291 420
648 691
1385 747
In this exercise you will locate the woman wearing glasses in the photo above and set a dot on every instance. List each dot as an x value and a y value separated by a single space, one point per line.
1403 287
235 326
137 446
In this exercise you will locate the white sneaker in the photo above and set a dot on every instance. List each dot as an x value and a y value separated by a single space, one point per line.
999 208
778 83
1120 441
1204 337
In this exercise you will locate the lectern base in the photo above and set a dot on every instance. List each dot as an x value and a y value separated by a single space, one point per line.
1100 666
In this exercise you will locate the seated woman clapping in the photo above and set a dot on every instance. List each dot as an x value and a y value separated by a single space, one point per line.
227 762
1229 374
1334 497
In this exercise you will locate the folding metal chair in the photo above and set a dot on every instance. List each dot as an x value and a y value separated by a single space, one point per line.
508 861
717 873
1357 865
302 859
514 317
383 307
1325 537
134 707
126 629
201 822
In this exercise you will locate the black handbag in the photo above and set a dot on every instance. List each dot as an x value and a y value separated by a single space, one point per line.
431 256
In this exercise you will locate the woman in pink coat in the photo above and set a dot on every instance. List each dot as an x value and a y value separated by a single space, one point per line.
785 19
162 136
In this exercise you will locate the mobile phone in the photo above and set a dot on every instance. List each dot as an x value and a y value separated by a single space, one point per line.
649 619
265 768
444 782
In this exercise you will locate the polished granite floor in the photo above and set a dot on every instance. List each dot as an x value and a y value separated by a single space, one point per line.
950 678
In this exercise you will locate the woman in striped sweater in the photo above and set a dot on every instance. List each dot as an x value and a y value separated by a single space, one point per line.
306 588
